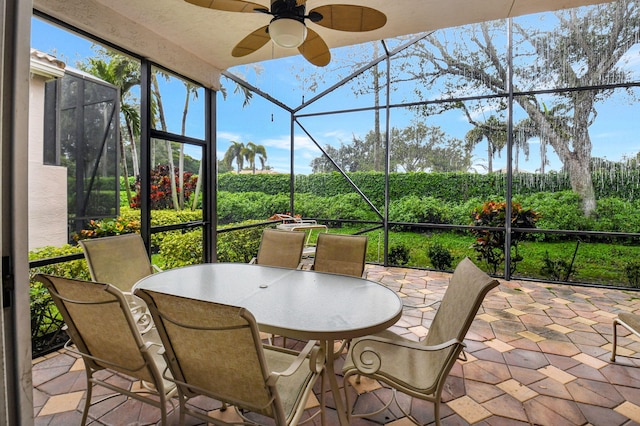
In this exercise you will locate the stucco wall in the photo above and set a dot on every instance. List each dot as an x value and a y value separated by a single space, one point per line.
47 184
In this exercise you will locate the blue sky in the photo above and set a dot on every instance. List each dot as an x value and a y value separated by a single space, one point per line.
614 133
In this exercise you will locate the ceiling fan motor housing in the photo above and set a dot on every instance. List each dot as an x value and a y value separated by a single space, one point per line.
287 9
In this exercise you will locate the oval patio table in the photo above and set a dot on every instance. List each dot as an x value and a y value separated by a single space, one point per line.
295 303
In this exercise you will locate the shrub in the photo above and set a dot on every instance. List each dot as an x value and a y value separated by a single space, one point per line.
108 227
71 269
240 245
616 215
46 321
632 271
241 206
559 210
440 257
490 244
345 206
399 255
181 249
161 193
414 209
556 269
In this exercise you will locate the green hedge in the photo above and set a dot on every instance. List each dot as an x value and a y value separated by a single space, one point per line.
615 181
181 249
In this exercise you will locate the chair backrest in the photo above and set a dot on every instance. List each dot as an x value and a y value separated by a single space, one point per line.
101 326
281 248
121 260
462 299
214 350
341 254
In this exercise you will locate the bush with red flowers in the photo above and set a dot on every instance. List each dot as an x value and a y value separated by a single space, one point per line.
161 188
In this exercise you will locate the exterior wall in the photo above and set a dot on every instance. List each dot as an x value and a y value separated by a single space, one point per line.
47 184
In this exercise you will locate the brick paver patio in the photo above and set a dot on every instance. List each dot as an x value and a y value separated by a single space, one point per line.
537 353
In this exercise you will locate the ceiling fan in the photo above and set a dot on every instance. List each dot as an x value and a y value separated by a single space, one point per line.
288 29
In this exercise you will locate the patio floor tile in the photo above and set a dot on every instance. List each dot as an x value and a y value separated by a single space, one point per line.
538 353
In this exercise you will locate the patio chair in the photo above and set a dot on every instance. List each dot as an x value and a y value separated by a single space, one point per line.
215 350
629 321
121 261
420 369
341 254
280 248
104 333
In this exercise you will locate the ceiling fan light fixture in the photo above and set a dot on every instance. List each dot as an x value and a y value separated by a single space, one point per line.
287 32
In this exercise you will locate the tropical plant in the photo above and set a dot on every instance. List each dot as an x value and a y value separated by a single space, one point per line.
493 130
163 187
108 227
491 244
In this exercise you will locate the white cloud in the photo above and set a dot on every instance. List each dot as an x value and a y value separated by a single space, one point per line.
229 136
284 142
340 135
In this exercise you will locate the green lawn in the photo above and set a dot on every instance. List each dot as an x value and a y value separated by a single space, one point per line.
595 262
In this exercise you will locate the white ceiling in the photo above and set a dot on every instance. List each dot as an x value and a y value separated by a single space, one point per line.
197 42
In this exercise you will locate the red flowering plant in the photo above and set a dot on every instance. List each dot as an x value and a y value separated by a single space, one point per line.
161 188
491 244
108 227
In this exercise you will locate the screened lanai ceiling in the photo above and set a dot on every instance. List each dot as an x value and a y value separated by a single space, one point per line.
197 42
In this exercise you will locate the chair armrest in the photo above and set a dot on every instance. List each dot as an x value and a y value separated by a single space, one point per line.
312 352
253 261
368 361
157 268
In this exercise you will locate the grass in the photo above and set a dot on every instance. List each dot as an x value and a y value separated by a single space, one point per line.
595 262
602 263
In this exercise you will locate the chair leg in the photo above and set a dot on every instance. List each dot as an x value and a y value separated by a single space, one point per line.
323 403
87 402
182 409
163 407
615 340
436 411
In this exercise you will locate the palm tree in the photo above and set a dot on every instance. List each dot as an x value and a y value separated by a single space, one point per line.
123 73
191 90
235 152
251 151
157 97
494 131
522 132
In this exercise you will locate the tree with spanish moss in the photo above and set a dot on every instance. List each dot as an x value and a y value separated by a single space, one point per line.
586 48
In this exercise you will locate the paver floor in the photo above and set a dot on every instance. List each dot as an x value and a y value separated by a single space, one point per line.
537 353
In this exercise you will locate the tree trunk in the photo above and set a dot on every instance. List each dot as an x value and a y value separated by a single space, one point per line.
134 151
163 125
196 193
125 170
581 182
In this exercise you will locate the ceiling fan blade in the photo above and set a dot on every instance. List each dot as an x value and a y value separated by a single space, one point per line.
315 50
227 5
251 43
345 17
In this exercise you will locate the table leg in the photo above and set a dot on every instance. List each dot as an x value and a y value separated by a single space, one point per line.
333 383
